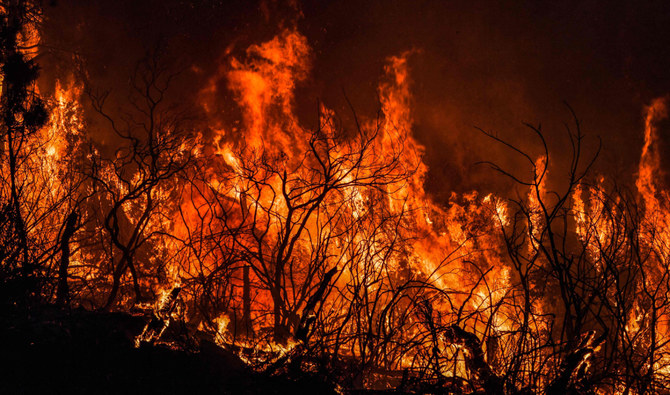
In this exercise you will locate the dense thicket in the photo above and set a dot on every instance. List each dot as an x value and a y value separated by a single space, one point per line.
317 254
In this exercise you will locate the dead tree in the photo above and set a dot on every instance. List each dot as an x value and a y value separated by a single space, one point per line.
23 113
585 254
135 183
294 209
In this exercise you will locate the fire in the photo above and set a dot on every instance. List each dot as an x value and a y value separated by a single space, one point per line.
650 160
269 236
265 87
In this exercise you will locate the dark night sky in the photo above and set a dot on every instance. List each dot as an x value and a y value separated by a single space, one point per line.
485 64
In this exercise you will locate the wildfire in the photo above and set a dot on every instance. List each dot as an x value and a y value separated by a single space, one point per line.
273 237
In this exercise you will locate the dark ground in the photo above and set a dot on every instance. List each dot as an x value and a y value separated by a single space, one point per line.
50 351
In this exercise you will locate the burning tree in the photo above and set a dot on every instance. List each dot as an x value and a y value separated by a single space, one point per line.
317 250
134 188
22 113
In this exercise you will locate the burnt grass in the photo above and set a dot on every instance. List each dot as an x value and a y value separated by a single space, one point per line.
52 351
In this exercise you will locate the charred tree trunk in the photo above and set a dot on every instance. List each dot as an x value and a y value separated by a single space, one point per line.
160 318
246 301
281 333
128 248
126 263
572 374
116 283
136 282
303 331
63 292
489 381
19 224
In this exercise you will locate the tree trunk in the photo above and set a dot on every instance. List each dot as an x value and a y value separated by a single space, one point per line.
281 332
63 292
246 302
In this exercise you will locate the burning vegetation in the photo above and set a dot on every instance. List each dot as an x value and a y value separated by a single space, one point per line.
315 251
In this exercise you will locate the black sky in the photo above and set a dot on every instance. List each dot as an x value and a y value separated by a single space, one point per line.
489 64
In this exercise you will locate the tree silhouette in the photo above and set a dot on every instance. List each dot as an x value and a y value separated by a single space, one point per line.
23 113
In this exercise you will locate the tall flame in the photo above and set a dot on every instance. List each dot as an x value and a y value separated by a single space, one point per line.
278 226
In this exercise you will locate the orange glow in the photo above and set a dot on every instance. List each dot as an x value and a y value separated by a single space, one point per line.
264 234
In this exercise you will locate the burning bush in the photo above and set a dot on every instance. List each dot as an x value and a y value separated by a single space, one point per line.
317 251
